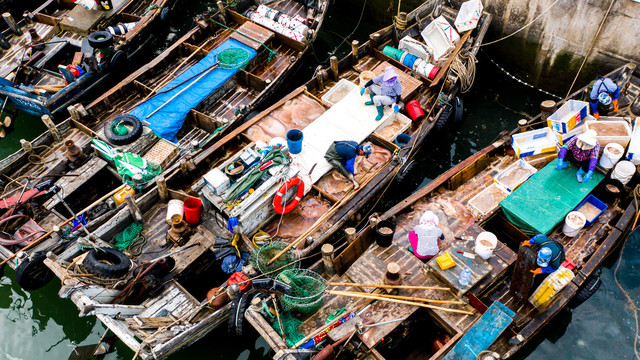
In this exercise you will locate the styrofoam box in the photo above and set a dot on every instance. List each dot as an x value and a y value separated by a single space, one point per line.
622 137
563 138
633 154
488 199
570 115
515 174
338 91
416 48
534 142
436 39
469 15
451 33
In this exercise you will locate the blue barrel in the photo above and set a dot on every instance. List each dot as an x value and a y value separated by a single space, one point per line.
294 141
409 60
402 140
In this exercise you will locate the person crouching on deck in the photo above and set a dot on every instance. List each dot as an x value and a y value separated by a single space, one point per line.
550 254
342 156
583 151
384 90
425 237
603 96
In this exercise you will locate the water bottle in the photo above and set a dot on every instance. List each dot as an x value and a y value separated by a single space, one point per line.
465 276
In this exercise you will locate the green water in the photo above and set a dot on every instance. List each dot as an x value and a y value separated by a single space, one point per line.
40 325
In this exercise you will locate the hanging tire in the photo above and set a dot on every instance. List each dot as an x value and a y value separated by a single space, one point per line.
405 169
458 110
32 273
588 288
443 120
119 61
106 263
236 320
100 39
134 132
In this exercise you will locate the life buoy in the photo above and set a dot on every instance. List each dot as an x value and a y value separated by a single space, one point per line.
277 200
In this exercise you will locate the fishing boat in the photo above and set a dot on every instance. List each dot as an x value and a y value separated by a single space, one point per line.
398 306
194 293
61 51
188 81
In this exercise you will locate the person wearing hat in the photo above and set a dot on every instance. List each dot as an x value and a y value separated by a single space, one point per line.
342 156
425 238
603 96
550 254
384 90
583 151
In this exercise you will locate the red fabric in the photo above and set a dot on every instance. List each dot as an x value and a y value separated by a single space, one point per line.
241 279
28 195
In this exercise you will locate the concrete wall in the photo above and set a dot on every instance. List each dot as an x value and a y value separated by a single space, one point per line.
548 53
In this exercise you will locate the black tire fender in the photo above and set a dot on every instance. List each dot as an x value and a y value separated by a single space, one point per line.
443 120
32 273
106 263
100 39
590 286
119 61
236 313
458 111
131 136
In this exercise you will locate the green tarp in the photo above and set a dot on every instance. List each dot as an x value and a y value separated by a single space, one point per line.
545 199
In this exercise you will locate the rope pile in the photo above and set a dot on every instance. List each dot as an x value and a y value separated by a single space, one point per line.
464 66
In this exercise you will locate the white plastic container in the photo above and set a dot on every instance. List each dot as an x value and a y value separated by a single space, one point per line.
485 244
338 91
573 113
611 155
451 33
633 153
623 171
217 181
611 130
573 223
416 48
563 138
437 40
469 15
534 142
175 208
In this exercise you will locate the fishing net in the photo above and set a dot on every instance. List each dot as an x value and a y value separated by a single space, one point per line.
307 288
124 239
260 258
290 326
233 58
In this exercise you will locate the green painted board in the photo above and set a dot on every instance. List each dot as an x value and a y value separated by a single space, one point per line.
546 198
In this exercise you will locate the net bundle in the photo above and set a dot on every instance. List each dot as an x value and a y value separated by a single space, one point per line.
263 255
233 58
307 288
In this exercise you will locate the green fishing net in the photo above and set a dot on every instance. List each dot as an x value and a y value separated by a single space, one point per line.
233 58
290 325
307 288
122 241
260 258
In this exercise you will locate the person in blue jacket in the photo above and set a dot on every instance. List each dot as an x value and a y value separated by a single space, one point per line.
384 90
604 94
550 254
342 156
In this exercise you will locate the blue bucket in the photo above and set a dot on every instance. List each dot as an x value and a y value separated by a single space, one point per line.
294 141
402 140
409 60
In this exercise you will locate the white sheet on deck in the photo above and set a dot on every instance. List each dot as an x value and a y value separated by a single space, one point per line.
349 119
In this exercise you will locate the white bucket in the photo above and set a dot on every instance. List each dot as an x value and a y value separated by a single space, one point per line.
485 244
175 208
623 171
573 223
365 76
611 155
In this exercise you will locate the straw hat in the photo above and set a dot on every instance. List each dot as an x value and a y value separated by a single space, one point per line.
588 138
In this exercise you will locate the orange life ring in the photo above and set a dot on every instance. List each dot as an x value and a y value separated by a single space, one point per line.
277 200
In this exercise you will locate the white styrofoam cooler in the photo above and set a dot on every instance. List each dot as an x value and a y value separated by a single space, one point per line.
633 153
469 15
416 48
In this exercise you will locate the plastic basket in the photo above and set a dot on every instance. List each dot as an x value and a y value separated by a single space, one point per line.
261 257
570 115
596 203
307 288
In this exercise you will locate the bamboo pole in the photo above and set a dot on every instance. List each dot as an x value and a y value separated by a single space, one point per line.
418 299
377 297
318 331
385 286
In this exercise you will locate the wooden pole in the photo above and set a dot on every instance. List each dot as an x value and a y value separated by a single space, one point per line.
354 51
333 62
350 233
317 331
320 78
275 307
163 191
418 299
133 208
384 286
46 119
404 302
12 23
327 259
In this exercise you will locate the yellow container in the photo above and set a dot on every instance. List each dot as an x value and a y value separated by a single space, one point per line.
445 261
120 195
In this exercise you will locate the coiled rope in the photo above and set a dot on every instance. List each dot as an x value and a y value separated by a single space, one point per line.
464 67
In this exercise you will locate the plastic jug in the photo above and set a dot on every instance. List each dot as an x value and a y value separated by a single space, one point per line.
119 196
465 276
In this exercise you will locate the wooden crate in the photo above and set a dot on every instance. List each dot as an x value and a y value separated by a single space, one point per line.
161 153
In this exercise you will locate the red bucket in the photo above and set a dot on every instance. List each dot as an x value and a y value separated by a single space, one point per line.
192 210
414 110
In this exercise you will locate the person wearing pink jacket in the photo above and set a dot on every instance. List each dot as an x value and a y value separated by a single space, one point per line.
425 238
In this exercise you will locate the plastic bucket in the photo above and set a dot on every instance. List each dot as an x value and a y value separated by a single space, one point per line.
611 155
365 76
611 189
415 110
426 70
402 140
485 244
384 232
175 208
393 53
294 141
192 210
408 60
623 171
573 223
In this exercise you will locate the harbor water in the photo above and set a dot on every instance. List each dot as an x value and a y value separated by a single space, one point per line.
40 325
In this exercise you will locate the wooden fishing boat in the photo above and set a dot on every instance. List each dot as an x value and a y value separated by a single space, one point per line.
143 324
62 50
495 314
88 180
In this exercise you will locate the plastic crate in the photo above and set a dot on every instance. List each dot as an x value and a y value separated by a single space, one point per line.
437 40
633 153
514 175
338 91
469 15
451 33
488 199
416 48
570 115
534 142
563 138
611 130
598 205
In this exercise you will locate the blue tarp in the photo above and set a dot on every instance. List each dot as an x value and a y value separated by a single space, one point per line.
168 121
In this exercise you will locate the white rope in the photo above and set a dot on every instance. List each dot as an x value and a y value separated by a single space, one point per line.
464 66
